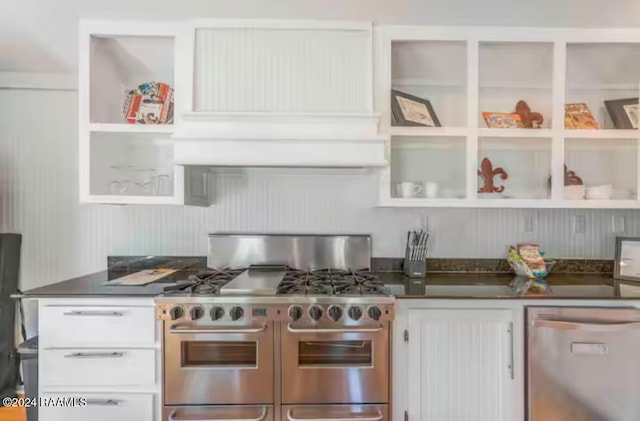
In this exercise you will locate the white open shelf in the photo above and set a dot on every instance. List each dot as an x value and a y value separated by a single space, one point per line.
122 63
611 71
491 69
114 59
508 203
130 128
600 134
428 131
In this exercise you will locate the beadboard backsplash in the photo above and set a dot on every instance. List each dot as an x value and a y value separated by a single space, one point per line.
39 198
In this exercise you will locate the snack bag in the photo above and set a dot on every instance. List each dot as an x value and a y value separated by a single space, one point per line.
518 265
531 256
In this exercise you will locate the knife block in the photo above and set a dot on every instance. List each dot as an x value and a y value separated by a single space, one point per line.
415 268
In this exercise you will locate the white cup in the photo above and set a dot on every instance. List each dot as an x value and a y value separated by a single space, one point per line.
431 189
409 189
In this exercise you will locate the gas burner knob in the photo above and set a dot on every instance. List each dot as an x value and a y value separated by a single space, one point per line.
335 313
236 313
295 312
216 313
196 313
355 313
374 312
315 312
176 313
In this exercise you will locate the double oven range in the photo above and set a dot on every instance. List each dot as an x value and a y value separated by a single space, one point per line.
274 343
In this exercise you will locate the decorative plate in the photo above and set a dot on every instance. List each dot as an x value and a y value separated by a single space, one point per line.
149 103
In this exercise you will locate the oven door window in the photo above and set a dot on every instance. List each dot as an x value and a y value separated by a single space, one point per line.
334 353
219 354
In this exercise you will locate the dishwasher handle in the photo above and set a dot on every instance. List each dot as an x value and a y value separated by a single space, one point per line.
587 326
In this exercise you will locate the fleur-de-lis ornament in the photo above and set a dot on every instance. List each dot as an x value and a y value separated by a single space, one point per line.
487 173
530 119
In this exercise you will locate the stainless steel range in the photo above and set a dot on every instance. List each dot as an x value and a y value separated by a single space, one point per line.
283 329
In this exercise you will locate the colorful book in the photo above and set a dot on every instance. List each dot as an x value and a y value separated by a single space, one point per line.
578 116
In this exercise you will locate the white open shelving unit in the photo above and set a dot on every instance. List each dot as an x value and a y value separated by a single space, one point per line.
465 71
122 163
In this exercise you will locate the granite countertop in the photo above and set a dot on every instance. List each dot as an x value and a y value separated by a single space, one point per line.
437 285
96 284
498 286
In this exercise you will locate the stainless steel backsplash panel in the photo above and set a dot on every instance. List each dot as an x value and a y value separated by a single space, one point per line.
300 251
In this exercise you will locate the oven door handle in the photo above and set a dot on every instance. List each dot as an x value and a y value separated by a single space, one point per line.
173 417
378 328
366 417
190 329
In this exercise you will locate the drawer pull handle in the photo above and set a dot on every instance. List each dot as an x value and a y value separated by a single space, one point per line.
103 402
95 355
94 313
174 417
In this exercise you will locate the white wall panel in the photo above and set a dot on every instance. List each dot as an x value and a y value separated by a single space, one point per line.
39 198
283 70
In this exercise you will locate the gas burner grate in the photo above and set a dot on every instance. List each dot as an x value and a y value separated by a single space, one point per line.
331 282
206 282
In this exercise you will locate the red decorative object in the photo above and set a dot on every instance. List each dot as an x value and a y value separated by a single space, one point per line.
487 173
530 120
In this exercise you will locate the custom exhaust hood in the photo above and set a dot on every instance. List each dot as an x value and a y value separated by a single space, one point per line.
278 93
281 140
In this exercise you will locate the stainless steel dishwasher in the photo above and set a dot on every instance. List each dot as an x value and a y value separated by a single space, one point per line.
583 364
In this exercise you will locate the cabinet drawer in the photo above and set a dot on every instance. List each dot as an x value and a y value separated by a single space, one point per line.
96 326
97 367
99 407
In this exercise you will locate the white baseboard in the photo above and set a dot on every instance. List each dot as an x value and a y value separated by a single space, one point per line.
40 81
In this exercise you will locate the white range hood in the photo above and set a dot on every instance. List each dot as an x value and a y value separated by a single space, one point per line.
278 93
279 139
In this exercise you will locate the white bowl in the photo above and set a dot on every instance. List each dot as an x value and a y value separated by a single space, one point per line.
574 192
603 192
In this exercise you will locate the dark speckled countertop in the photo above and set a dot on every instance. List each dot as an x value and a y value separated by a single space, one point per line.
499 285
437 285
97 284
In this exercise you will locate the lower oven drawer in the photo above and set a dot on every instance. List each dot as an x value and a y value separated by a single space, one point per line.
99 407
212 413
335 413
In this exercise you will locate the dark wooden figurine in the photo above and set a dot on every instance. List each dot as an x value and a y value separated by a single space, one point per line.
487 173
530 120
570 178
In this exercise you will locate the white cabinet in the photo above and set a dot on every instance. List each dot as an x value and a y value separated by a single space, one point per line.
465 72
456 364
119 162
105 350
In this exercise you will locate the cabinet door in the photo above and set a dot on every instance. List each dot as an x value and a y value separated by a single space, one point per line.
460 365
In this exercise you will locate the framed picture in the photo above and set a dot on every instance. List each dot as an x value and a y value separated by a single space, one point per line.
623 112
409 110
578 116
627 259
502 120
